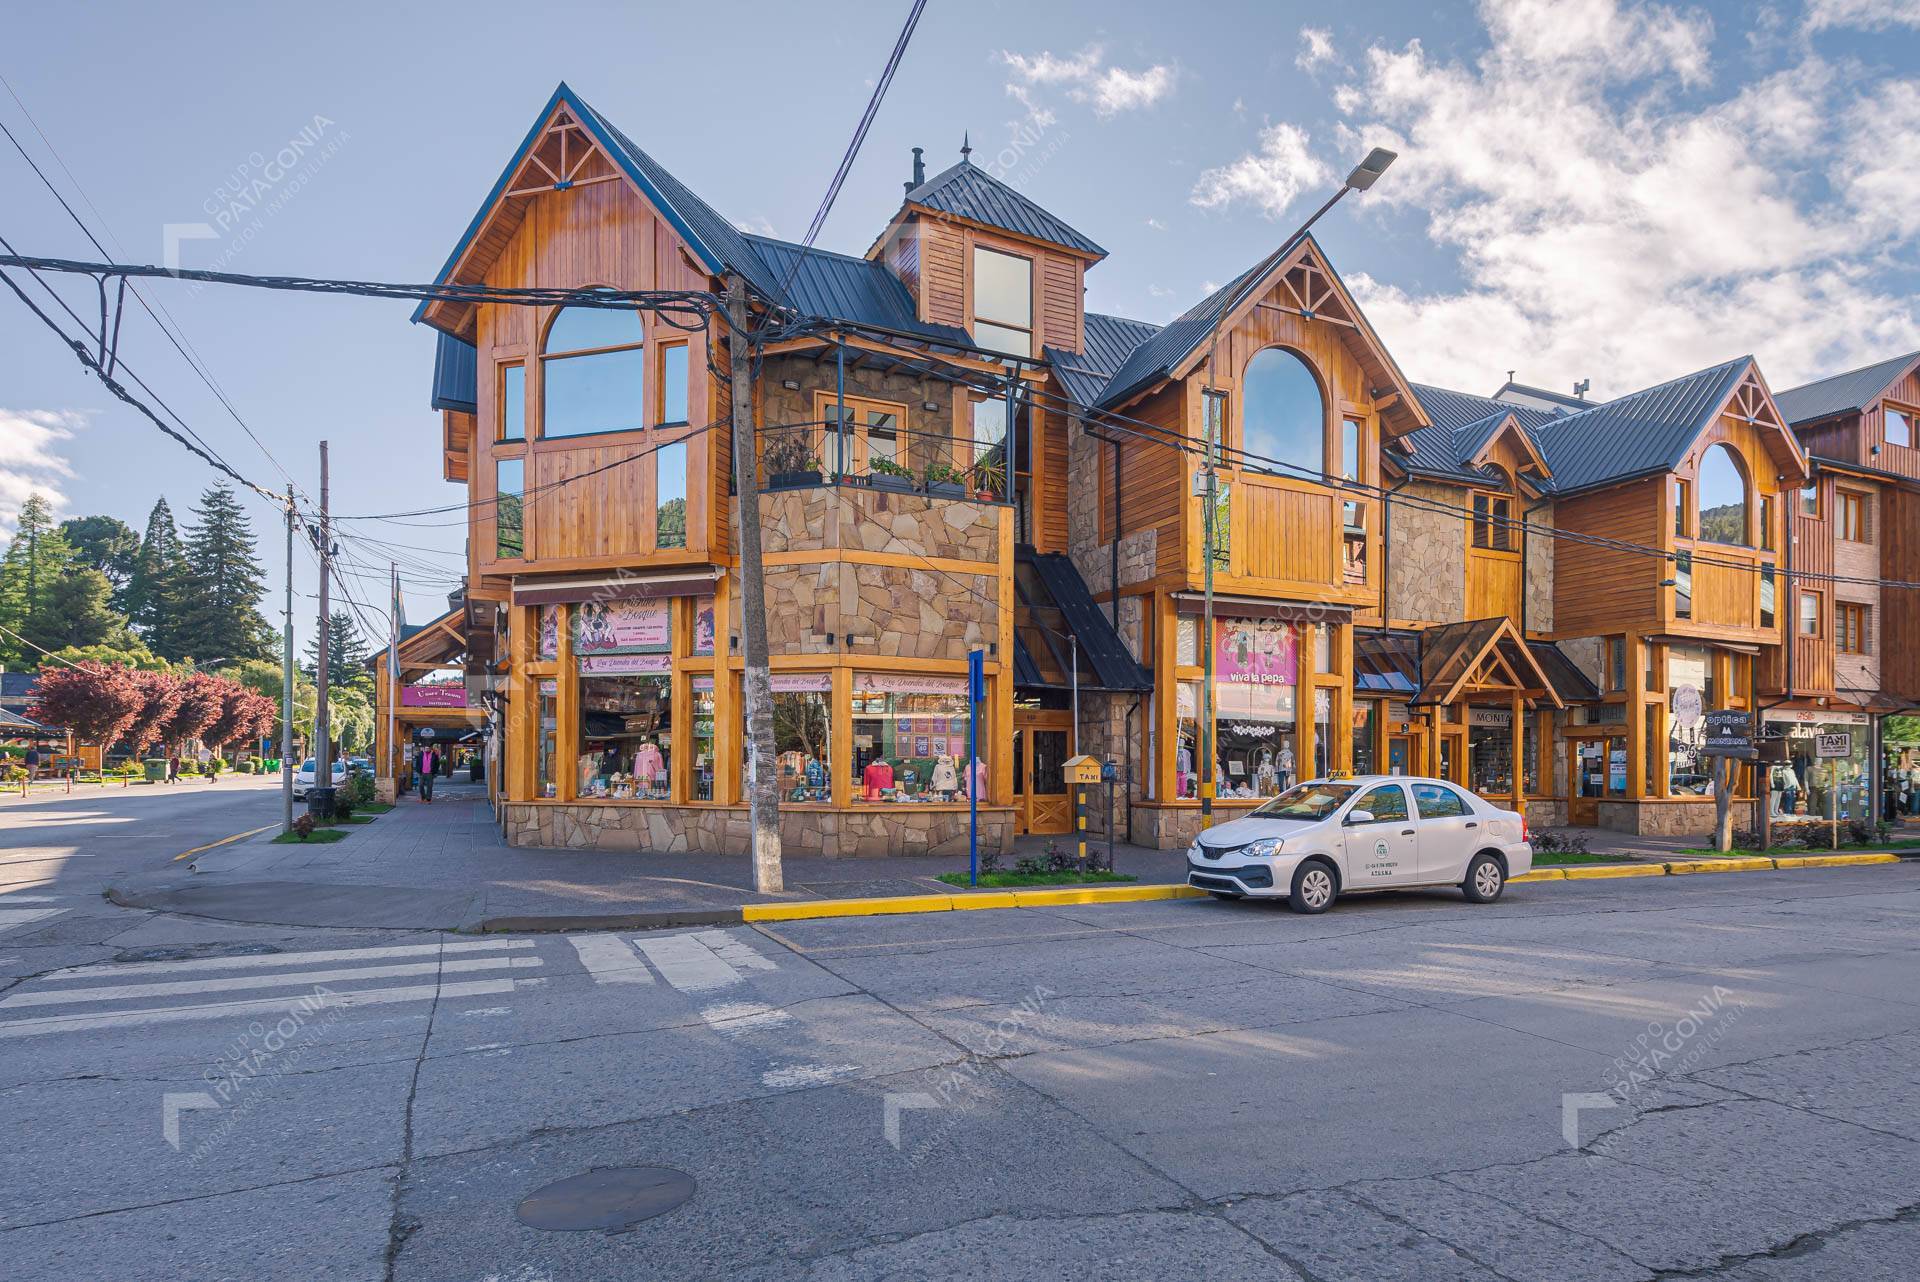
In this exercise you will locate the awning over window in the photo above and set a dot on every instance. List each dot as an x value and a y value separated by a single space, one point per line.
1058 630
615 587
1482 657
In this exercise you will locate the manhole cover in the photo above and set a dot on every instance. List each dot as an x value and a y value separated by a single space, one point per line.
612 1200
194 952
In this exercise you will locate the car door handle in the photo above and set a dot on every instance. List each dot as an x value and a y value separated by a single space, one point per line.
1472 824
1406 832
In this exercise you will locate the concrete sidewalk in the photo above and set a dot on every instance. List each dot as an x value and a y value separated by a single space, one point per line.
444 866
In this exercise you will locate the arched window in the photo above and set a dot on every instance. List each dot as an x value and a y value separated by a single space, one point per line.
1722 489
594 372
1283 412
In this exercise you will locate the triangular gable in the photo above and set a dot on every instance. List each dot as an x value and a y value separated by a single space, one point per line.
1483 653
1749 401
1851 392
1303 281
572 145
1508 429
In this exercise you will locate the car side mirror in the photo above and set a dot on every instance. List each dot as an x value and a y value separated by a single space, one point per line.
1359 816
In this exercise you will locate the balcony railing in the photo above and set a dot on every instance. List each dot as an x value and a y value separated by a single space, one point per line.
873 450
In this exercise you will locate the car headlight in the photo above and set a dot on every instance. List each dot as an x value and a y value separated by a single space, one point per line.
1264 847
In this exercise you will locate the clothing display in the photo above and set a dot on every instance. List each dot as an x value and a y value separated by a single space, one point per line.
877 779
944 779
648 763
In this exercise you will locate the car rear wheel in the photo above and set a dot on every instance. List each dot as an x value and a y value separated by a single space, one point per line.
1313 888
1486 879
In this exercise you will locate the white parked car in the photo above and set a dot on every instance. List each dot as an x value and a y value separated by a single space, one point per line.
1331 837
303 777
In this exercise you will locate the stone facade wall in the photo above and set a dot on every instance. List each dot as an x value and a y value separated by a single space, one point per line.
1427 572
907 611
873 832
1671 818
1539 583
932 429
1588 655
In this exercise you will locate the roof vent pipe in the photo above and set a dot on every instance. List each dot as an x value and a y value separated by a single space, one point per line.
919 169
1580 388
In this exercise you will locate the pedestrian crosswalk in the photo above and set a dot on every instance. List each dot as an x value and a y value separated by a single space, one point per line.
111 995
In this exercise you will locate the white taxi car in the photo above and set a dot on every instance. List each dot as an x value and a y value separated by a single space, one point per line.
1331 837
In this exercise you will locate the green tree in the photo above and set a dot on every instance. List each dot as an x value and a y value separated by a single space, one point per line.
157 585
347 655
126 652
79 612
221 618
106 544
36 561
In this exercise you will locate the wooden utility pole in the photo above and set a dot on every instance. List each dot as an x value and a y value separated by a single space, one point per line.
763 795
322 727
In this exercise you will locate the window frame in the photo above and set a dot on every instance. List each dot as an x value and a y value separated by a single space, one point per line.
1809 504
975 318
1808 597
1491 532
1853 628
860 449
1682 491
548 359
500 462
1907 415
503 393
1853 521
1742 474
662 383
1326 444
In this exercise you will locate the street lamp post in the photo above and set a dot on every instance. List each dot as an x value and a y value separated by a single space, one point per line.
1363 176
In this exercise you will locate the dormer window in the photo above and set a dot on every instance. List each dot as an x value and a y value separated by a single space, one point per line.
1002 301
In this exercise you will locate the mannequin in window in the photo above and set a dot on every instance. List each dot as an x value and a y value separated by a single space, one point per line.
647 763
877 778
944 780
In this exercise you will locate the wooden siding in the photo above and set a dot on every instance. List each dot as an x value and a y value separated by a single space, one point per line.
1597 590
943 283
1493 584
1900 607
1280 532
1153 478
943 272
602 234
1899 459
1048 521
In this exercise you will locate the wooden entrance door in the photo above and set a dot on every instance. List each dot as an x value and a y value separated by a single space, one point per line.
1042 742
1591 776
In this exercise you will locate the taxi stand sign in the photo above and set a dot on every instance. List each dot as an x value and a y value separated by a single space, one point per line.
1081 771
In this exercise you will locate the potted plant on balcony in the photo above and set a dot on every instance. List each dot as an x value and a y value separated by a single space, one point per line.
989 481
885 474
945 481
790 463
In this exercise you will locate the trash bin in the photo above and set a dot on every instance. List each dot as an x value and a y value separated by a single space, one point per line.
320 803
156 768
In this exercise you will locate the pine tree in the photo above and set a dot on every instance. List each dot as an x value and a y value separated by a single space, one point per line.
346 655
78 612
35 563
224 582
157 585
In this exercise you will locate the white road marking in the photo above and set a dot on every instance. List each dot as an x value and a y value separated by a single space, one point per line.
737 953
13 917
327 956
688 964
315 978
610 959
805 1074
735 1018
6 898
219 1010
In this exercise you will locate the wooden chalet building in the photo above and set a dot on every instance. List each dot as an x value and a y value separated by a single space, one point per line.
954 454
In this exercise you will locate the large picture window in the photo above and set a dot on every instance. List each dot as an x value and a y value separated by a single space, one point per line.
670 496
910 739
513 402
1723 498
626 727
1002 301
802 735
1283 414
594 370
1899 425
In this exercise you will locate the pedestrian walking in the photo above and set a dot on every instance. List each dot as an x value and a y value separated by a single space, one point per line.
429 763
33 761
173 767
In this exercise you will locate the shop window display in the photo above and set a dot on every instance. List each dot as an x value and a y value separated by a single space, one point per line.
802 735
703 749
910 740
546 747
1490 751
626 733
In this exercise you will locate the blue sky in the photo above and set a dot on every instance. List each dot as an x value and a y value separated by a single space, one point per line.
1588 189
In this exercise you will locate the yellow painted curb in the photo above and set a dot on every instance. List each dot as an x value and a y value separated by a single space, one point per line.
187 854
1834 861
1102 895
1582 872
848 907
1555 873
985 899
1680 867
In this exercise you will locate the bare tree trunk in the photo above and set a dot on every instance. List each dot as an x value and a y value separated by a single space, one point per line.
1725 771
763 793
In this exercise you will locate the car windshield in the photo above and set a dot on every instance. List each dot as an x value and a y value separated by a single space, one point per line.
1306 801
307 765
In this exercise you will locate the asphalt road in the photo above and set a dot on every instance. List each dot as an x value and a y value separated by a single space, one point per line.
1662 1077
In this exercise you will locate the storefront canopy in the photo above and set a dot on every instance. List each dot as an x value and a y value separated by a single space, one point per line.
1483 656
1059 630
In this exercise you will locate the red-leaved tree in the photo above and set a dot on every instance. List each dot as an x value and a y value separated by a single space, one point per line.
96 701
258 717
160 696
201 701
233 716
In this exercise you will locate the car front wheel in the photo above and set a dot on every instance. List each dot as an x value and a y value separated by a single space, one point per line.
1486 879
1313 888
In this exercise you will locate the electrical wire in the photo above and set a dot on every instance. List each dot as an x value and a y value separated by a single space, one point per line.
31 646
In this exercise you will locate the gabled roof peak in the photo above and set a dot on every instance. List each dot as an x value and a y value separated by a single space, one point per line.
967 191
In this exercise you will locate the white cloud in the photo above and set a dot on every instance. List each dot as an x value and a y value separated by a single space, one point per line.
1605 227
1268 179
31 461
1156 224
1087 78
1871 14
1316 48
759 225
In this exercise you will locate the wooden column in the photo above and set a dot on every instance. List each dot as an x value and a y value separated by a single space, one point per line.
1306 692
1636 717
1519 732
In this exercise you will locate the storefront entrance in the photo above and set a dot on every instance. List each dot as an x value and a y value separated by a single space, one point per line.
1042 742
1596 770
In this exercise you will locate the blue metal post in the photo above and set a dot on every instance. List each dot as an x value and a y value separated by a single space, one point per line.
976 690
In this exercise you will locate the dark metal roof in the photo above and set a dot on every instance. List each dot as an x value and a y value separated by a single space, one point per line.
14 721
1166 347
1640 433
1565 399
1842 393
1454 410
18 685
455 380
1109 341
1568 681
841 287
968 191
1443 452
1107 664
1386 662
